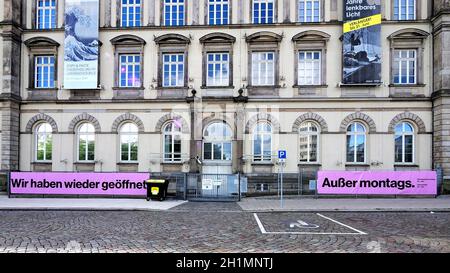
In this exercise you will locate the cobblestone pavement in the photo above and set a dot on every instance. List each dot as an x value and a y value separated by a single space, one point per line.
219 227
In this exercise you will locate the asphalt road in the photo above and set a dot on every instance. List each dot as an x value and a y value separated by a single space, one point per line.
222 227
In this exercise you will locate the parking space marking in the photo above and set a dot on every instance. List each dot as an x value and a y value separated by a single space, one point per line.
264 231
337 222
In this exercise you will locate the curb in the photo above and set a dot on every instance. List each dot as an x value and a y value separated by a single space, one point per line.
350 210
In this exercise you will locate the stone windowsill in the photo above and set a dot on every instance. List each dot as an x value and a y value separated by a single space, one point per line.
127 163
216 87
305 164
42 89
172 163
360 84
128 88
357 165
263 86
310 86
84 163
407 85
41 163
406 165
262 163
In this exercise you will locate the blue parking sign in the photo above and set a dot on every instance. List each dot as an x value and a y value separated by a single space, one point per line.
282 154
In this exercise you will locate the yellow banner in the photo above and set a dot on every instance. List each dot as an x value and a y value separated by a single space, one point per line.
362 23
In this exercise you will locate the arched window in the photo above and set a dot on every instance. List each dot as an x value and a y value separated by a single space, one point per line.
86 142
356 143
217 142
44 142
262 142
129 142
309 142
404 143
172 141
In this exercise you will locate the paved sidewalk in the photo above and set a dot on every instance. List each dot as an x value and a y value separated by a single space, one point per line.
84 204
327 204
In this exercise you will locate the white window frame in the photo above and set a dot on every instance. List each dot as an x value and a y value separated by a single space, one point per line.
312 62
304 11
404 16
173 133
223 80
355 151
134 64
403 133
177 4
260 157
44 8
87 134
224 139
259 18
49 65
128 133
127 6
220 3
401 61
176 63
46 135
308 134
258 80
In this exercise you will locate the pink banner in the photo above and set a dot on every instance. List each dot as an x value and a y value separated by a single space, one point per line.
54 183
377 182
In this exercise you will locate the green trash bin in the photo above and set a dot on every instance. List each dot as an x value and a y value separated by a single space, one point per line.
157 189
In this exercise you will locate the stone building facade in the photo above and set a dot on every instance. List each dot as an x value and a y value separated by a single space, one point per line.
230 124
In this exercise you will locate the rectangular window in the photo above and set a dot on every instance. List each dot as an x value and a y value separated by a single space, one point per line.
308 11
173 70
129 148
130 70
263 68
308 148
172 148
309 68
405 66
263 11
44 72
46 14
130 13
218 65
217 151
404 10
218 11
174 12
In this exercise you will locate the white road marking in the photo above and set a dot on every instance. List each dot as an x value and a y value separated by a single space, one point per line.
260 225
337 222
263 230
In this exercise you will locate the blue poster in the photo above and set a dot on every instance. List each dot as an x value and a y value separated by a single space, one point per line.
81 44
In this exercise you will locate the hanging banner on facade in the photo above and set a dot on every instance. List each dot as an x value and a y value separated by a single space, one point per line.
54 183
377 182
81 44
362 42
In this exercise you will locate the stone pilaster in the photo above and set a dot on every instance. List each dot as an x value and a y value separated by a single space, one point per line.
441 95
151 12
195 12
107 13
10 93
286 11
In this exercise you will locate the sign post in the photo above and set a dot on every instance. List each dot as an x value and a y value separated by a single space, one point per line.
282 159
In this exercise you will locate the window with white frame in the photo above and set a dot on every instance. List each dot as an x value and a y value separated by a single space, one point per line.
356 143
174 12
44 142
263 68
262 142
44 71
218 12
405 66
263 11
130 13
172 141
309 11
217 142
86 142
309 142
404 143
129 135
309 68
404 9
218 65
130 70
46 14
173 70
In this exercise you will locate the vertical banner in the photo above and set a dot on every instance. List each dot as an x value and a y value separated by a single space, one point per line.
362 42
81 44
